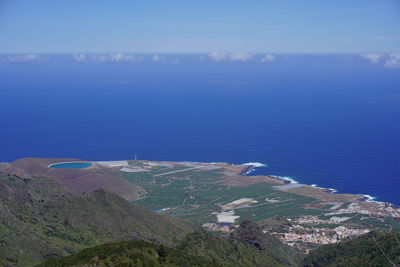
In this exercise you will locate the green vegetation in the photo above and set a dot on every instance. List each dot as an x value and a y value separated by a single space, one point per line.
40 220
225 250
251 233
372 249
200 248
199 194
133 253
196 194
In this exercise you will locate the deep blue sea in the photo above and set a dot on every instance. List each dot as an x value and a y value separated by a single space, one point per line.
321 119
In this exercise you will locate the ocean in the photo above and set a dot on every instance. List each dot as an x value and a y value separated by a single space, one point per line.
332 120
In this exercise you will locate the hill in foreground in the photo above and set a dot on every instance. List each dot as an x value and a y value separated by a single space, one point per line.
197 249
370 250
204 249
40 219
200 248
133 253
251 233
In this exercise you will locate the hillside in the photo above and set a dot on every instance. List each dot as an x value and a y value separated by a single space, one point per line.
200 248
250 233
40 219
49 214
77 181
370 250
133 253
235 253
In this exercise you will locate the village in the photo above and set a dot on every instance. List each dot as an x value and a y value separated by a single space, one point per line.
299 235
305 232
334 219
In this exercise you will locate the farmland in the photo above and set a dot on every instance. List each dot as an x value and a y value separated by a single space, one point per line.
219 197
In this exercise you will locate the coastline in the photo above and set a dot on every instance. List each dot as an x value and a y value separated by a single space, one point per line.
220 195
287 183
252 166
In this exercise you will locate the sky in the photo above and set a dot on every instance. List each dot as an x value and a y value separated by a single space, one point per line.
255 26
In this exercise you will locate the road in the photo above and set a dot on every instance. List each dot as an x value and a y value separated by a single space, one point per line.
165 173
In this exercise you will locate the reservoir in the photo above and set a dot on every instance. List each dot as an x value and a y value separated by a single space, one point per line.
70 165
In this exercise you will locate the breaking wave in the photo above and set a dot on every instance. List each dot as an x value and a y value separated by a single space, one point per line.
255 164
330 190
369 198
291 180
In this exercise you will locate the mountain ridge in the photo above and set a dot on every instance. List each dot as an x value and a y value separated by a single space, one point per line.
41 219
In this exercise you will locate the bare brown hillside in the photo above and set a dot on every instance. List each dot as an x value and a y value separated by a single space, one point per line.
77 181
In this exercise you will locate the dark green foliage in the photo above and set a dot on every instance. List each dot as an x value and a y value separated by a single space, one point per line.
133 253
200 248
40 220
370 250
232 252
250 233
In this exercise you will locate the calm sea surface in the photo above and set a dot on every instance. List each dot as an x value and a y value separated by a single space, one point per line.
332 123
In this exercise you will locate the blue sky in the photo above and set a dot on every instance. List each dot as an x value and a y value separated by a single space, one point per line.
48 26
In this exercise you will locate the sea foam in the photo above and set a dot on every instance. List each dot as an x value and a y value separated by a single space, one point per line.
369 198
291 180
255 164
252 166
330 190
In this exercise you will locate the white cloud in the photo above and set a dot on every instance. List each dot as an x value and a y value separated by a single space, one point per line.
388 60
237 56
80 57
118 57
217 56
23 58
103 58
157 58
114 58
393 61
268 58
373 57
240 56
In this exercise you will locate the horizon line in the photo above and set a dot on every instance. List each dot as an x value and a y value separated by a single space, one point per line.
202 53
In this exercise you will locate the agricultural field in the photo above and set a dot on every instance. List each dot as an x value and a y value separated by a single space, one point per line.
220 197
199 194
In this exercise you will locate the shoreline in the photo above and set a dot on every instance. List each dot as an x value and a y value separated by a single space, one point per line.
246 170
252 166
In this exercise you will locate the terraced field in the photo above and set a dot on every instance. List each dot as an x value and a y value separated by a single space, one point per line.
198 193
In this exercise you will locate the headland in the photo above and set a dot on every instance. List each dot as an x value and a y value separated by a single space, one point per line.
220 195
